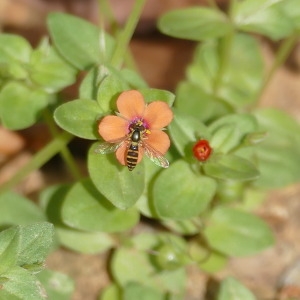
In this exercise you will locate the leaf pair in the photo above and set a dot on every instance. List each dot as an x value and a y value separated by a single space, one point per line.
274 19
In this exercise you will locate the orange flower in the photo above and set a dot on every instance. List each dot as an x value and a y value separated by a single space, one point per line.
140 125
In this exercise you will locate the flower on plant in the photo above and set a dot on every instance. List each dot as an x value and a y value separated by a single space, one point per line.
138 127
202 150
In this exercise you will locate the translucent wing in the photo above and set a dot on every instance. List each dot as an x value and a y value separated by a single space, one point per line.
155 156
111 146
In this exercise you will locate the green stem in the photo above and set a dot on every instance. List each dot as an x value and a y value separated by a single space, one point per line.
106 13
64 152
225 46
125 36
280 57
38 160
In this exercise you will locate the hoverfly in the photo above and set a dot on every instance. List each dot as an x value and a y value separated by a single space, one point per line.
134 139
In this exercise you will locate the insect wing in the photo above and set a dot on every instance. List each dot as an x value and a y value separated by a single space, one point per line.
155 156
109 147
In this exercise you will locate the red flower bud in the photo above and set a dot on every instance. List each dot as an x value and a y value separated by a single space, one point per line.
202 150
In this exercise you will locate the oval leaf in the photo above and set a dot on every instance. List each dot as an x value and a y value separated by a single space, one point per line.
192 100
58 286
13 47
120 186
280 151
85 208
84 242
49 70
79 41
79 117
195 23
20 106
231 167
237 233
17 210
232 289
110 88
262 16
178 193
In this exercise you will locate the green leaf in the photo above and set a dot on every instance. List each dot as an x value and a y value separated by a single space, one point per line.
110 88
144 204
238 88
194 101
9 243
111 292
20 106
58 286
89 85
195 23
231 289
79 117
291 9
144 271
51 201
49 70
135 290
86 209
280 151
183 227
185 130
237 233
21 285
84 242
229 131
262 16
17 210
151 95
231 167
178 193
78 41
133 79
206 259
14 48
115 182
35 243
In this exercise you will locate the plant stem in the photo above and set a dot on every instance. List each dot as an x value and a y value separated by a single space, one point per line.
280 57
39 159
225 45
106 12
64 152
125 35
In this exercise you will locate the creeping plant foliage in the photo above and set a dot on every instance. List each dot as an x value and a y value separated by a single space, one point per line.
212 151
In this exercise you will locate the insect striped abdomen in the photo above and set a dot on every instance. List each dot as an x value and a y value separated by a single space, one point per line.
132 156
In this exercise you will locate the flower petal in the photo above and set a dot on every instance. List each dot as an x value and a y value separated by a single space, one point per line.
158 115
122 151
131 104
120 154
159 141
112 128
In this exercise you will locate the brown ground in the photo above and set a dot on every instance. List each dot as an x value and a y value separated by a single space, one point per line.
161 61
